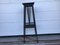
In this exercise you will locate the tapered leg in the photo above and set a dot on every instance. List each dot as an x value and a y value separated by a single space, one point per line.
34 23
24 22
28 13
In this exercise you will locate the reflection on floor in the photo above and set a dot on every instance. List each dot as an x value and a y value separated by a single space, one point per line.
49 39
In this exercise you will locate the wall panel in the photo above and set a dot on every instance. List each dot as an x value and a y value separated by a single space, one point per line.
47 14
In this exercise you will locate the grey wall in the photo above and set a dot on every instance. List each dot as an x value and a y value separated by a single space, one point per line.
47 14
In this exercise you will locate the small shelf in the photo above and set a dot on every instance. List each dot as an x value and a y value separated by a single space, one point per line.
31 25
